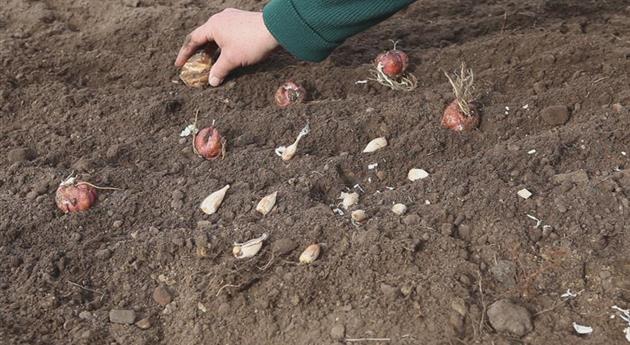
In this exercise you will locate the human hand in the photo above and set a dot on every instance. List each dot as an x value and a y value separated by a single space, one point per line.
241 35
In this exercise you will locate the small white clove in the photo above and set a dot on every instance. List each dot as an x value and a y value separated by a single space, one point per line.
375 145
267 203
211 203
417 174
582 329
287 152
310 254
399 209
249 248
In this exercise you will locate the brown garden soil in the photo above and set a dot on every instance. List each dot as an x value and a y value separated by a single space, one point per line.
89 86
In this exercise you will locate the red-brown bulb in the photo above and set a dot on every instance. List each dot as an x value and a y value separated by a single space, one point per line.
208 143
75 196
454 119
290 93
393 63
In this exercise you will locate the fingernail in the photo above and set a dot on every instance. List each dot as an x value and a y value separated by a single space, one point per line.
214 81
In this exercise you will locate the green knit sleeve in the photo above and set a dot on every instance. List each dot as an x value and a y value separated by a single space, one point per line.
311 29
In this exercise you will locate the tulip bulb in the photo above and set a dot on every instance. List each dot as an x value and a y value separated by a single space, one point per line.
196 70
209 143
289 93
75 196
392 63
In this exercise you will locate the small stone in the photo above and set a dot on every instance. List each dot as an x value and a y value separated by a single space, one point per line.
504 272
283 246
112 152
534 233
204 225
30 196
170 308
124 316
144 323
578 176
85 315
358 216
177 194
131 3
399 209
117 223
411 219
459 305
201 243
103 254
539 88
456 321
513 147
406 290
338 332
556 115
224 309
295 300
464 232
504 316
177 204
447 229
381 175
524 193
390 292
162 296
20 154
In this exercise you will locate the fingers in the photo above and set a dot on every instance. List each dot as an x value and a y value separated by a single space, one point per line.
220 70
194 40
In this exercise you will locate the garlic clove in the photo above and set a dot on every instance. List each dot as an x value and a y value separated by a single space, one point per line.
399 209
310 254
375 145
211 203
358 216
349 199
289 152
417 174
248 249
267 203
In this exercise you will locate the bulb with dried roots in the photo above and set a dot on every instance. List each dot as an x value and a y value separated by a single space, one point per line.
461 114
390 70
209 144
289 93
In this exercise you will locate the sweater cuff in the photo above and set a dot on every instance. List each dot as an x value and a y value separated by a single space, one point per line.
293 33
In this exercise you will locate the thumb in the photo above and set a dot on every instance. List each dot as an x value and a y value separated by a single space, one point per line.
220 70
